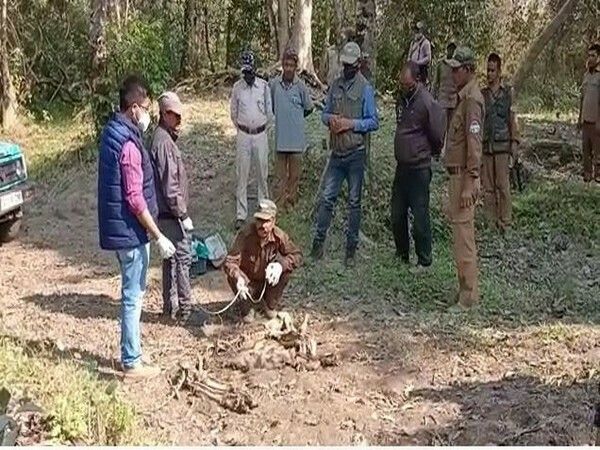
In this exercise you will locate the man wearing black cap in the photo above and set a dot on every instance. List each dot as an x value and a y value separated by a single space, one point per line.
251 114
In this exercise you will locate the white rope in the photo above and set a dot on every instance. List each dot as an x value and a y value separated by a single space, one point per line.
230 304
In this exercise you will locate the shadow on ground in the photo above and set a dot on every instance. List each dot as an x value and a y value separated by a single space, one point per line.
517 410
85 306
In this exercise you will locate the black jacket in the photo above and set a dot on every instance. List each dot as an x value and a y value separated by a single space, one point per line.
419 128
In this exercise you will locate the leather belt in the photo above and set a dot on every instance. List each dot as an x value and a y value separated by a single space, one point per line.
455 170
247 130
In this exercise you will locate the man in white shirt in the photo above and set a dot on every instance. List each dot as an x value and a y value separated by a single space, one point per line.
251 113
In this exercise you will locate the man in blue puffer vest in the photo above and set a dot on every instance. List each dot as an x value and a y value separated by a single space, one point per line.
127 212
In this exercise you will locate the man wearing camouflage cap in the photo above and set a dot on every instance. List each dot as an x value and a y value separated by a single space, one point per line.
261 259
251 114
173 196
463 162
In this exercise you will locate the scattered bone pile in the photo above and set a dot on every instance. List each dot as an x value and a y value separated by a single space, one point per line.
197 381
278 345
282 344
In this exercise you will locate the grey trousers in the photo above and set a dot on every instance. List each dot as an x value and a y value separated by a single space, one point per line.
177 290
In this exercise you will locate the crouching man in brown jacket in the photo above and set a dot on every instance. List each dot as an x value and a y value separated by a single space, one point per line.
261 261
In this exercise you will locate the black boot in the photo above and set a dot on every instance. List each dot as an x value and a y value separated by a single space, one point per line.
317 250
350 259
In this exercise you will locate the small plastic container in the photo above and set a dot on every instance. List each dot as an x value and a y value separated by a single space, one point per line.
198 267
217 250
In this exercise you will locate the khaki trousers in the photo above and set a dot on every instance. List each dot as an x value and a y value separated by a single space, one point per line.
591 152
287 178
251 148
495 178
464 249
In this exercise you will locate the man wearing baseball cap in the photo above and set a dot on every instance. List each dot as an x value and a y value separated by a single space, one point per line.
463 163
172 194
261 259
350 113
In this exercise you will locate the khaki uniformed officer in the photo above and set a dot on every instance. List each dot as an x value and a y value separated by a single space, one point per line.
462 161
589 116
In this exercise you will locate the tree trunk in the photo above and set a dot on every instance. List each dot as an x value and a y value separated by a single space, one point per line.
283 25
301 40
8 97
98 39
228 37
99 84
207 40
272 8
365 35
541 41
114 12
339 21
186 63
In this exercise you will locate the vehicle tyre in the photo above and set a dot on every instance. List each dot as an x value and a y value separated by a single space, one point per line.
9 230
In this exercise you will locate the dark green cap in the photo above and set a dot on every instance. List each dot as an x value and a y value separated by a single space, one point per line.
461 57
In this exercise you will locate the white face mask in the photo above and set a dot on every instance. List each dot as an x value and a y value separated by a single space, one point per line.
144 121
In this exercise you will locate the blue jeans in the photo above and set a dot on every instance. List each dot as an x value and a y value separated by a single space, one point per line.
134 267
349 167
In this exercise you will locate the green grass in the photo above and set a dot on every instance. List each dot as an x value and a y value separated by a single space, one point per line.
81 408
567 207
53 148
544 209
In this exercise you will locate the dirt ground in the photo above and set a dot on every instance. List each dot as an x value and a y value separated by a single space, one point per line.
401 378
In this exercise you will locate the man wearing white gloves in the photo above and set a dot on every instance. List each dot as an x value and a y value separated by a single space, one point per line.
172 197
261 259
127 212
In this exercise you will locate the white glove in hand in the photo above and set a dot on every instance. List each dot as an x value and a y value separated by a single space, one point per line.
242 288
273 273
165 247
187 224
